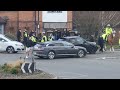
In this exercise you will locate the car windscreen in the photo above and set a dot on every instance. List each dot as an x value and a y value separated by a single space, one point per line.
8 38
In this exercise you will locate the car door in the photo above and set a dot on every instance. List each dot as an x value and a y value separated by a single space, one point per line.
69 48
3 44
59 48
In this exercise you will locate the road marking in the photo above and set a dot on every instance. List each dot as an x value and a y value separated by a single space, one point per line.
107 58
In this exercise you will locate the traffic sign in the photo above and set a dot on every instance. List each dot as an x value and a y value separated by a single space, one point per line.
28 67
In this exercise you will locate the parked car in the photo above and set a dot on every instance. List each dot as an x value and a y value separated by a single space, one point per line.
6 44
52 49
79 41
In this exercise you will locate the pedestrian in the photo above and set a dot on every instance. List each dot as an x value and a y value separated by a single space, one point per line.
101 43
19 35
44 38
31 33
25 37
28 47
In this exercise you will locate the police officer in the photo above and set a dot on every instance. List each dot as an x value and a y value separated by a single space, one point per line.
33 39
50 38
44 38
108 31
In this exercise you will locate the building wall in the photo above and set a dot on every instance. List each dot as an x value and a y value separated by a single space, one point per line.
26 19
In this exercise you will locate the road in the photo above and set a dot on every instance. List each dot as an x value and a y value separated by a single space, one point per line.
94 66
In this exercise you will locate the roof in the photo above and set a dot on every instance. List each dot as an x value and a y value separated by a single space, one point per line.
55 41
71 37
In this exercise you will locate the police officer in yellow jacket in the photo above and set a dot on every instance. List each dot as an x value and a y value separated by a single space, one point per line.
25 37
44 38
50 38
108 31
33 39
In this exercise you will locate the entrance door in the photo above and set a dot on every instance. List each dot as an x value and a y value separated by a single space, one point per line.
2 29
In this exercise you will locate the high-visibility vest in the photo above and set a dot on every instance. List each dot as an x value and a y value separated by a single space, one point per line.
108 31
119 41
43 39
50 38
25 34
33 39
103 36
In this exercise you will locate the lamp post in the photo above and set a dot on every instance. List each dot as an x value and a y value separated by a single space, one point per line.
17 20
35 21
38 24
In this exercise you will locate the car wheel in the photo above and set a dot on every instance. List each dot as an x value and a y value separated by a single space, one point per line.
10 49
81 53
51 54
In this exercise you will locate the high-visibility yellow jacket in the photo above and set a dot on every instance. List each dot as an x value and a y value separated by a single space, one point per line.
103 36
25 34
33 39
119 41
108 31
44 37
50 38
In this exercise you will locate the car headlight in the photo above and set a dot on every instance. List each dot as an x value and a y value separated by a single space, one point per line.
17 44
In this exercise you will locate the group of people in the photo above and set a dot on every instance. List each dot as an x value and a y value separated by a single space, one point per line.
30 39
103 38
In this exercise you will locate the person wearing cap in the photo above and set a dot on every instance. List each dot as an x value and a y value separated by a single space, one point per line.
108 31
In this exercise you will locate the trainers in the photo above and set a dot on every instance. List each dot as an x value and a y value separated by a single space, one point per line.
26 56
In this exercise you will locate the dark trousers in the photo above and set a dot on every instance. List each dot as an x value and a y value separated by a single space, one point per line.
18 39
101 47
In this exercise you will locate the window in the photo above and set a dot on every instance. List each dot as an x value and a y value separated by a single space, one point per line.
68 44
59 44
1 39
72 40
54 11
51 45
80 40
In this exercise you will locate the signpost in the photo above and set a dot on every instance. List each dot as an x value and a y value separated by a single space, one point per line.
28 67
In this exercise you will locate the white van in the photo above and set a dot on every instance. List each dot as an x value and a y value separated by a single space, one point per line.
6 44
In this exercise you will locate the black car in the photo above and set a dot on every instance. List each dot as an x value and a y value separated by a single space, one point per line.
52 49
79 41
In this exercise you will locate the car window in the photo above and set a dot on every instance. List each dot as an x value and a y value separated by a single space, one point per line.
80 40
72 40
2 39
51 45
68 44
58 44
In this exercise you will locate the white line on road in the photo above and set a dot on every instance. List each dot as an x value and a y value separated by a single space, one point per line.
107 58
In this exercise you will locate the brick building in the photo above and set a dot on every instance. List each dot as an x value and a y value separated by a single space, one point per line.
10 21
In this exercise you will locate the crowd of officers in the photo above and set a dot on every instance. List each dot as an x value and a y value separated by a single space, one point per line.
31 39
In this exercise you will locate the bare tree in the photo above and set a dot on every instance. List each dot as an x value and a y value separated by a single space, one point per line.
89 22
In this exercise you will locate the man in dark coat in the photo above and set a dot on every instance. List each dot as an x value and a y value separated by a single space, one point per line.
101 43
19 35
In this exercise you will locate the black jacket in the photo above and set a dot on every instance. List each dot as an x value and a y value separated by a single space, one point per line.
100 41
18 34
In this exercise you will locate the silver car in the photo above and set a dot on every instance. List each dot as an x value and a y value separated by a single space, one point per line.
52 49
